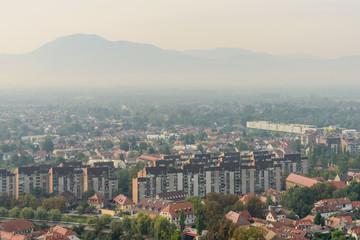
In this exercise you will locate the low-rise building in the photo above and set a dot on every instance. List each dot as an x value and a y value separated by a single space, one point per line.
172 213
123 203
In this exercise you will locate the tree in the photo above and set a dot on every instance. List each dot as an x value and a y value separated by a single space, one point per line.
54 215
269 201
162 228
3 212
107 144
14 212
41 213
124 145
79 229
116 229
255 207
65 218
88 194
91 220
176 235
48 145
80 209
57 202
182 220
27 213
319 220
105 218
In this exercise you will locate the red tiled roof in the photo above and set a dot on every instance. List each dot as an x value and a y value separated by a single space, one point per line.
175 209
240 218
17 225
338 184
63 231
98 198
11 236
123 200
300 180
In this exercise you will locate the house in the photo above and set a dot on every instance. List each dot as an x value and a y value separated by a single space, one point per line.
149 205
356 204
274 216
11 236
17 226
354 232
98 201
64 232
240 218
54 233
342 223
275 195
172 213
343 204
175 196
123 203
297 180
303 224
325 211
343 178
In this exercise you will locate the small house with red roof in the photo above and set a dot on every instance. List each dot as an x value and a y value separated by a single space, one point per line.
172 213
17 226
123 203
239 218
98 201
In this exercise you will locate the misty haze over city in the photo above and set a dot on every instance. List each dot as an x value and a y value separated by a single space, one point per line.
180 120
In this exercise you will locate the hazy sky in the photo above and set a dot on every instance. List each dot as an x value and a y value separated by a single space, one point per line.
328 28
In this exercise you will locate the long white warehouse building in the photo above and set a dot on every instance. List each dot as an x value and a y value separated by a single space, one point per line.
280 127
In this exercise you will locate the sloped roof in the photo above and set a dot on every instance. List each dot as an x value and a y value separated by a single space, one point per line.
173 196
240 218
17 225
151 206
63 231
10 236
300 180
175 209
123 200
98 198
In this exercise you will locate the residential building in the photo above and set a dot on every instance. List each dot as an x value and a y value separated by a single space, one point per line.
29 178
7 182
172 213
17 226
233 174
123 203
62 179
98 178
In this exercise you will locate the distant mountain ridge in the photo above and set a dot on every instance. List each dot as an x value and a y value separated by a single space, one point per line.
90 60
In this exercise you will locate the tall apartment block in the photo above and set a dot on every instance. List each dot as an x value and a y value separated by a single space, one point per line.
99 179
232 173
28 178
62 179
7 182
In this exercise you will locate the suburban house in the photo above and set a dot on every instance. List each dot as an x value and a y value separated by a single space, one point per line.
17 226
343 204
273 216
354 232
123 203
149 205
342 223
325 211
175 196
98 201
172 213
240 218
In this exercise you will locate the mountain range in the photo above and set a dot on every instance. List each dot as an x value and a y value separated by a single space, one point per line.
90 60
